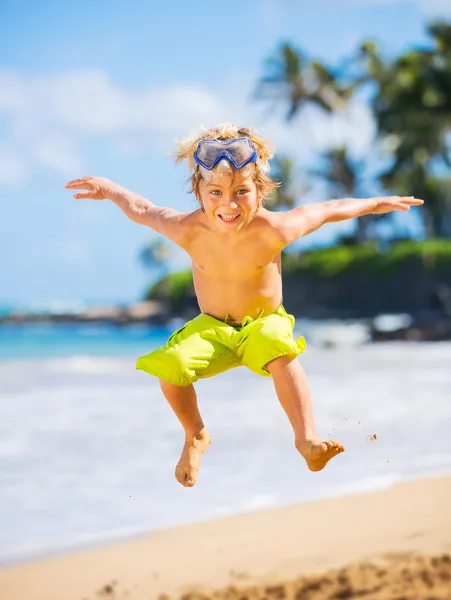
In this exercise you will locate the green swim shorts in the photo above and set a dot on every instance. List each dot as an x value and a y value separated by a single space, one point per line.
206 346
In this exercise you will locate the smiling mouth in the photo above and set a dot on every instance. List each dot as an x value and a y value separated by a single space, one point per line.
229 218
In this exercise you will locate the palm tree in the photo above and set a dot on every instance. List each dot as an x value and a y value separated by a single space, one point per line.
293 78
344 178
412 108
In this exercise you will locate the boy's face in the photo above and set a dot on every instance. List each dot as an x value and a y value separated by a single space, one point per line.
229 201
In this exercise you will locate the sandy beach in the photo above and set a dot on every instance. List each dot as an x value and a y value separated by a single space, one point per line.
394 543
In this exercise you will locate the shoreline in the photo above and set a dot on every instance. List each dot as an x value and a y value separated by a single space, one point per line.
269 546
131 536
425 326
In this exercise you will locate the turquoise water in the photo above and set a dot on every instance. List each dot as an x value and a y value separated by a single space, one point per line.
39 341
47 340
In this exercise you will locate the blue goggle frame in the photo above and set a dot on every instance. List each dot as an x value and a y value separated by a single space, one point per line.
240 154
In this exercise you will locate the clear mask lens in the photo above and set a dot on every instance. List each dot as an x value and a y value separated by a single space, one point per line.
225 169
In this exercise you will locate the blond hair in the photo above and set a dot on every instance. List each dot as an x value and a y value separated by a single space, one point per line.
227 131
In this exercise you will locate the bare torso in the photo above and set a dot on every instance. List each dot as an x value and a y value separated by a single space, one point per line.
235 275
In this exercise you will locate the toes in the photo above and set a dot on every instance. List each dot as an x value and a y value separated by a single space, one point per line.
324 452
190 480
335 446
185 478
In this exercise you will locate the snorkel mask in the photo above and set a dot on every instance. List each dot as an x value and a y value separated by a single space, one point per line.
217 157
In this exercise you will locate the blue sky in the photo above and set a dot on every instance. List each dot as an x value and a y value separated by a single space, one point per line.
103 88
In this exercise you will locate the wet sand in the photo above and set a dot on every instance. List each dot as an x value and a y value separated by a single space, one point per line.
390 544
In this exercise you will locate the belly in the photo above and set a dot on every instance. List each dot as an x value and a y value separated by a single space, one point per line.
238 297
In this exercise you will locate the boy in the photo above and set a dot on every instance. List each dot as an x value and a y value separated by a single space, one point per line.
235 245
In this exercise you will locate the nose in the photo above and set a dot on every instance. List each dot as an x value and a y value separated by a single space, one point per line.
230 201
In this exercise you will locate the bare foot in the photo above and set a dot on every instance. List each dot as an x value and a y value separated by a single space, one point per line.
189 464
318 453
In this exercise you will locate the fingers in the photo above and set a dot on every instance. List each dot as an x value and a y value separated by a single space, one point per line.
85 183
78 186
81 196
81 183
404 203
411 200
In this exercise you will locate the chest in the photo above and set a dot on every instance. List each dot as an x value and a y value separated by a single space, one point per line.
245 257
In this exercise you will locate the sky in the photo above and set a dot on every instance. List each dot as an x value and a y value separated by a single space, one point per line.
105 88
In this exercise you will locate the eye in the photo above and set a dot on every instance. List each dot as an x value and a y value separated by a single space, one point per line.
242 191
216 192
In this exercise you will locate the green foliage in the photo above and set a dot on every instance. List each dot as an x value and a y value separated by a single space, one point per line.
172 288
412 109
331 262
369 259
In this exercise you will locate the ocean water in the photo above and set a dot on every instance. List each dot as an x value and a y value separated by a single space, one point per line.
88 444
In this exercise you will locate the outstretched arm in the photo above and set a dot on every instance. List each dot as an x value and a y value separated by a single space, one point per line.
163 220
304 219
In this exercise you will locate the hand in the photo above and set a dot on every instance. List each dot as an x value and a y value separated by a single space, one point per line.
390 203
98 188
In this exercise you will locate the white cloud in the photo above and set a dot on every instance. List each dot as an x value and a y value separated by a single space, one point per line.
313 131
51 119
55 151
430 7
272 13
88 102
354 127
435 7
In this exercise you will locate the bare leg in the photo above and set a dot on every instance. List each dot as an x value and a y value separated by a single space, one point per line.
183 401
294 395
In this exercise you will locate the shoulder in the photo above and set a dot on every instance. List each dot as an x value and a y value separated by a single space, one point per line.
288 225
175 225
189 226
269 223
